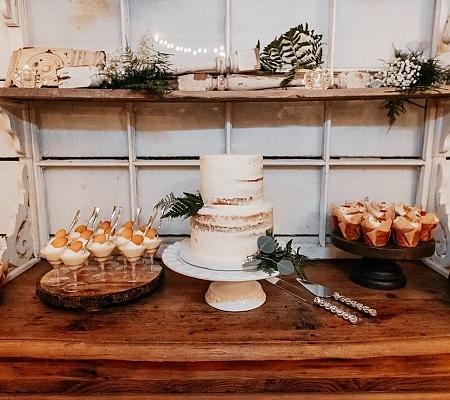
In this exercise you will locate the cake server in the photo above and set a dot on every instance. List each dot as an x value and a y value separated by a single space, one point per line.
324 291
316 300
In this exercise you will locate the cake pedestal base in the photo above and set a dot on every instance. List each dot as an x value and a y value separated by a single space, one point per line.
378 267
377 273
229 290
235 296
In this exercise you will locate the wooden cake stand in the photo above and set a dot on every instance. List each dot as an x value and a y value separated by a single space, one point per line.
378 267
94 296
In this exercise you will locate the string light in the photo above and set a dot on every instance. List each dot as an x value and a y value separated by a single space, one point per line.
182 49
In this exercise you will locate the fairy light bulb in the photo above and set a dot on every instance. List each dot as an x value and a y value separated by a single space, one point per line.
196 51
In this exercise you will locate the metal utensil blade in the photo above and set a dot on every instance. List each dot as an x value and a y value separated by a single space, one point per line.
287 287
315 288
316 300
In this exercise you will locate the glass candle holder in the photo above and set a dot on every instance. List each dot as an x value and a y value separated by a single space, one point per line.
27 78
317 79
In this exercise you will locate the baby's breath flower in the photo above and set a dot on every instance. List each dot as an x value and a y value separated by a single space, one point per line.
408 73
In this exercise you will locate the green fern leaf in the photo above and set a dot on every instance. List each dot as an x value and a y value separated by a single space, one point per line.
293 50
185 206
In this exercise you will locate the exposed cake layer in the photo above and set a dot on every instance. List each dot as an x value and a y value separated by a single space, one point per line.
229 179
227 235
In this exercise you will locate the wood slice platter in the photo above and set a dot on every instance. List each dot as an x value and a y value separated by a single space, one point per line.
95 295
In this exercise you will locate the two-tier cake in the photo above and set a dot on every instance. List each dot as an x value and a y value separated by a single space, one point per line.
224 232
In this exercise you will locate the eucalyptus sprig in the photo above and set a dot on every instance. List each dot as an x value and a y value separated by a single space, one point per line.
410 72
184 206
144 69
298 48
271 256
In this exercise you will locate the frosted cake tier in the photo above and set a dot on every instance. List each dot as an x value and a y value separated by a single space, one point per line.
228 179
227 235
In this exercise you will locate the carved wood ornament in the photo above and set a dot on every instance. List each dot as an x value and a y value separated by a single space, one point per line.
47 61
9 10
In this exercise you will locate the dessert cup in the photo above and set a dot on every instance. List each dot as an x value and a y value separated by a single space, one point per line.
120 264
101 254
132 255
53 257
151 248
74 261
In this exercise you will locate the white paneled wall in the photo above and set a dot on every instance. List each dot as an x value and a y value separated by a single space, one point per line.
88 154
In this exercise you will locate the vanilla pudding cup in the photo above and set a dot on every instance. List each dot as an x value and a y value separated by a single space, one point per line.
131 251
74 260
101 250
52 254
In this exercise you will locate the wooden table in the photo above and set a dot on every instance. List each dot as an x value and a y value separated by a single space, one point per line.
172 344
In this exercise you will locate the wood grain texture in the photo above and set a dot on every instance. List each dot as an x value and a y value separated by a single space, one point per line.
172 342
56 94
97 295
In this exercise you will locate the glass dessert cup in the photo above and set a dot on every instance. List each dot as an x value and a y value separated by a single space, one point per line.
132 255
151 248
101 255
119 265
74 264
53 257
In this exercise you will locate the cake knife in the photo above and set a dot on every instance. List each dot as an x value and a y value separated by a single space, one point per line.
324 291
317 301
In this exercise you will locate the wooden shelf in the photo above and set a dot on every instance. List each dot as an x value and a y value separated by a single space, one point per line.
56 94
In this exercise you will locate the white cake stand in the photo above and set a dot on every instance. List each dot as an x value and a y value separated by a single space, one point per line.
229 290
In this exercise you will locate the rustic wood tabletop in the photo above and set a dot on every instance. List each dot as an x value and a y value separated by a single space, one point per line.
173 342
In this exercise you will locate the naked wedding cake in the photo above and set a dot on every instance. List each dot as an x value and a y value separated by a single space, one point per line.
224 232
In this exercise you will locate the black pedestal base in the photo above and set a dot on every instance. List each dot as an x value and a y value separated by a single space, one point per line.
377 269
377 273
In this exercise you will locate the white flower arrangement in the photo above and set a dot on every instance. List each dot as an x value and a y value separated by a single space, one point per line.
402 73
409 73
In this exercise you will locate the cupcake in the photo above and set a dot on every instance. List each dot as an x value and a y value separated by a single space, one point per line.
382 210
406 231
346 219
428 223
376 231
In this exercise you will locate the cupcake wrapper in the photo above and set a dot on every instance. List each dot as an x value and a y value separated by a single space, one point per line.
350 231
376 238
407 239
427 231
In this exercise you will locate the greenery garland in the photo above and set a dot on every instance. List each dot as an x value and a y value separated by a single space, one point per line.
146 69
